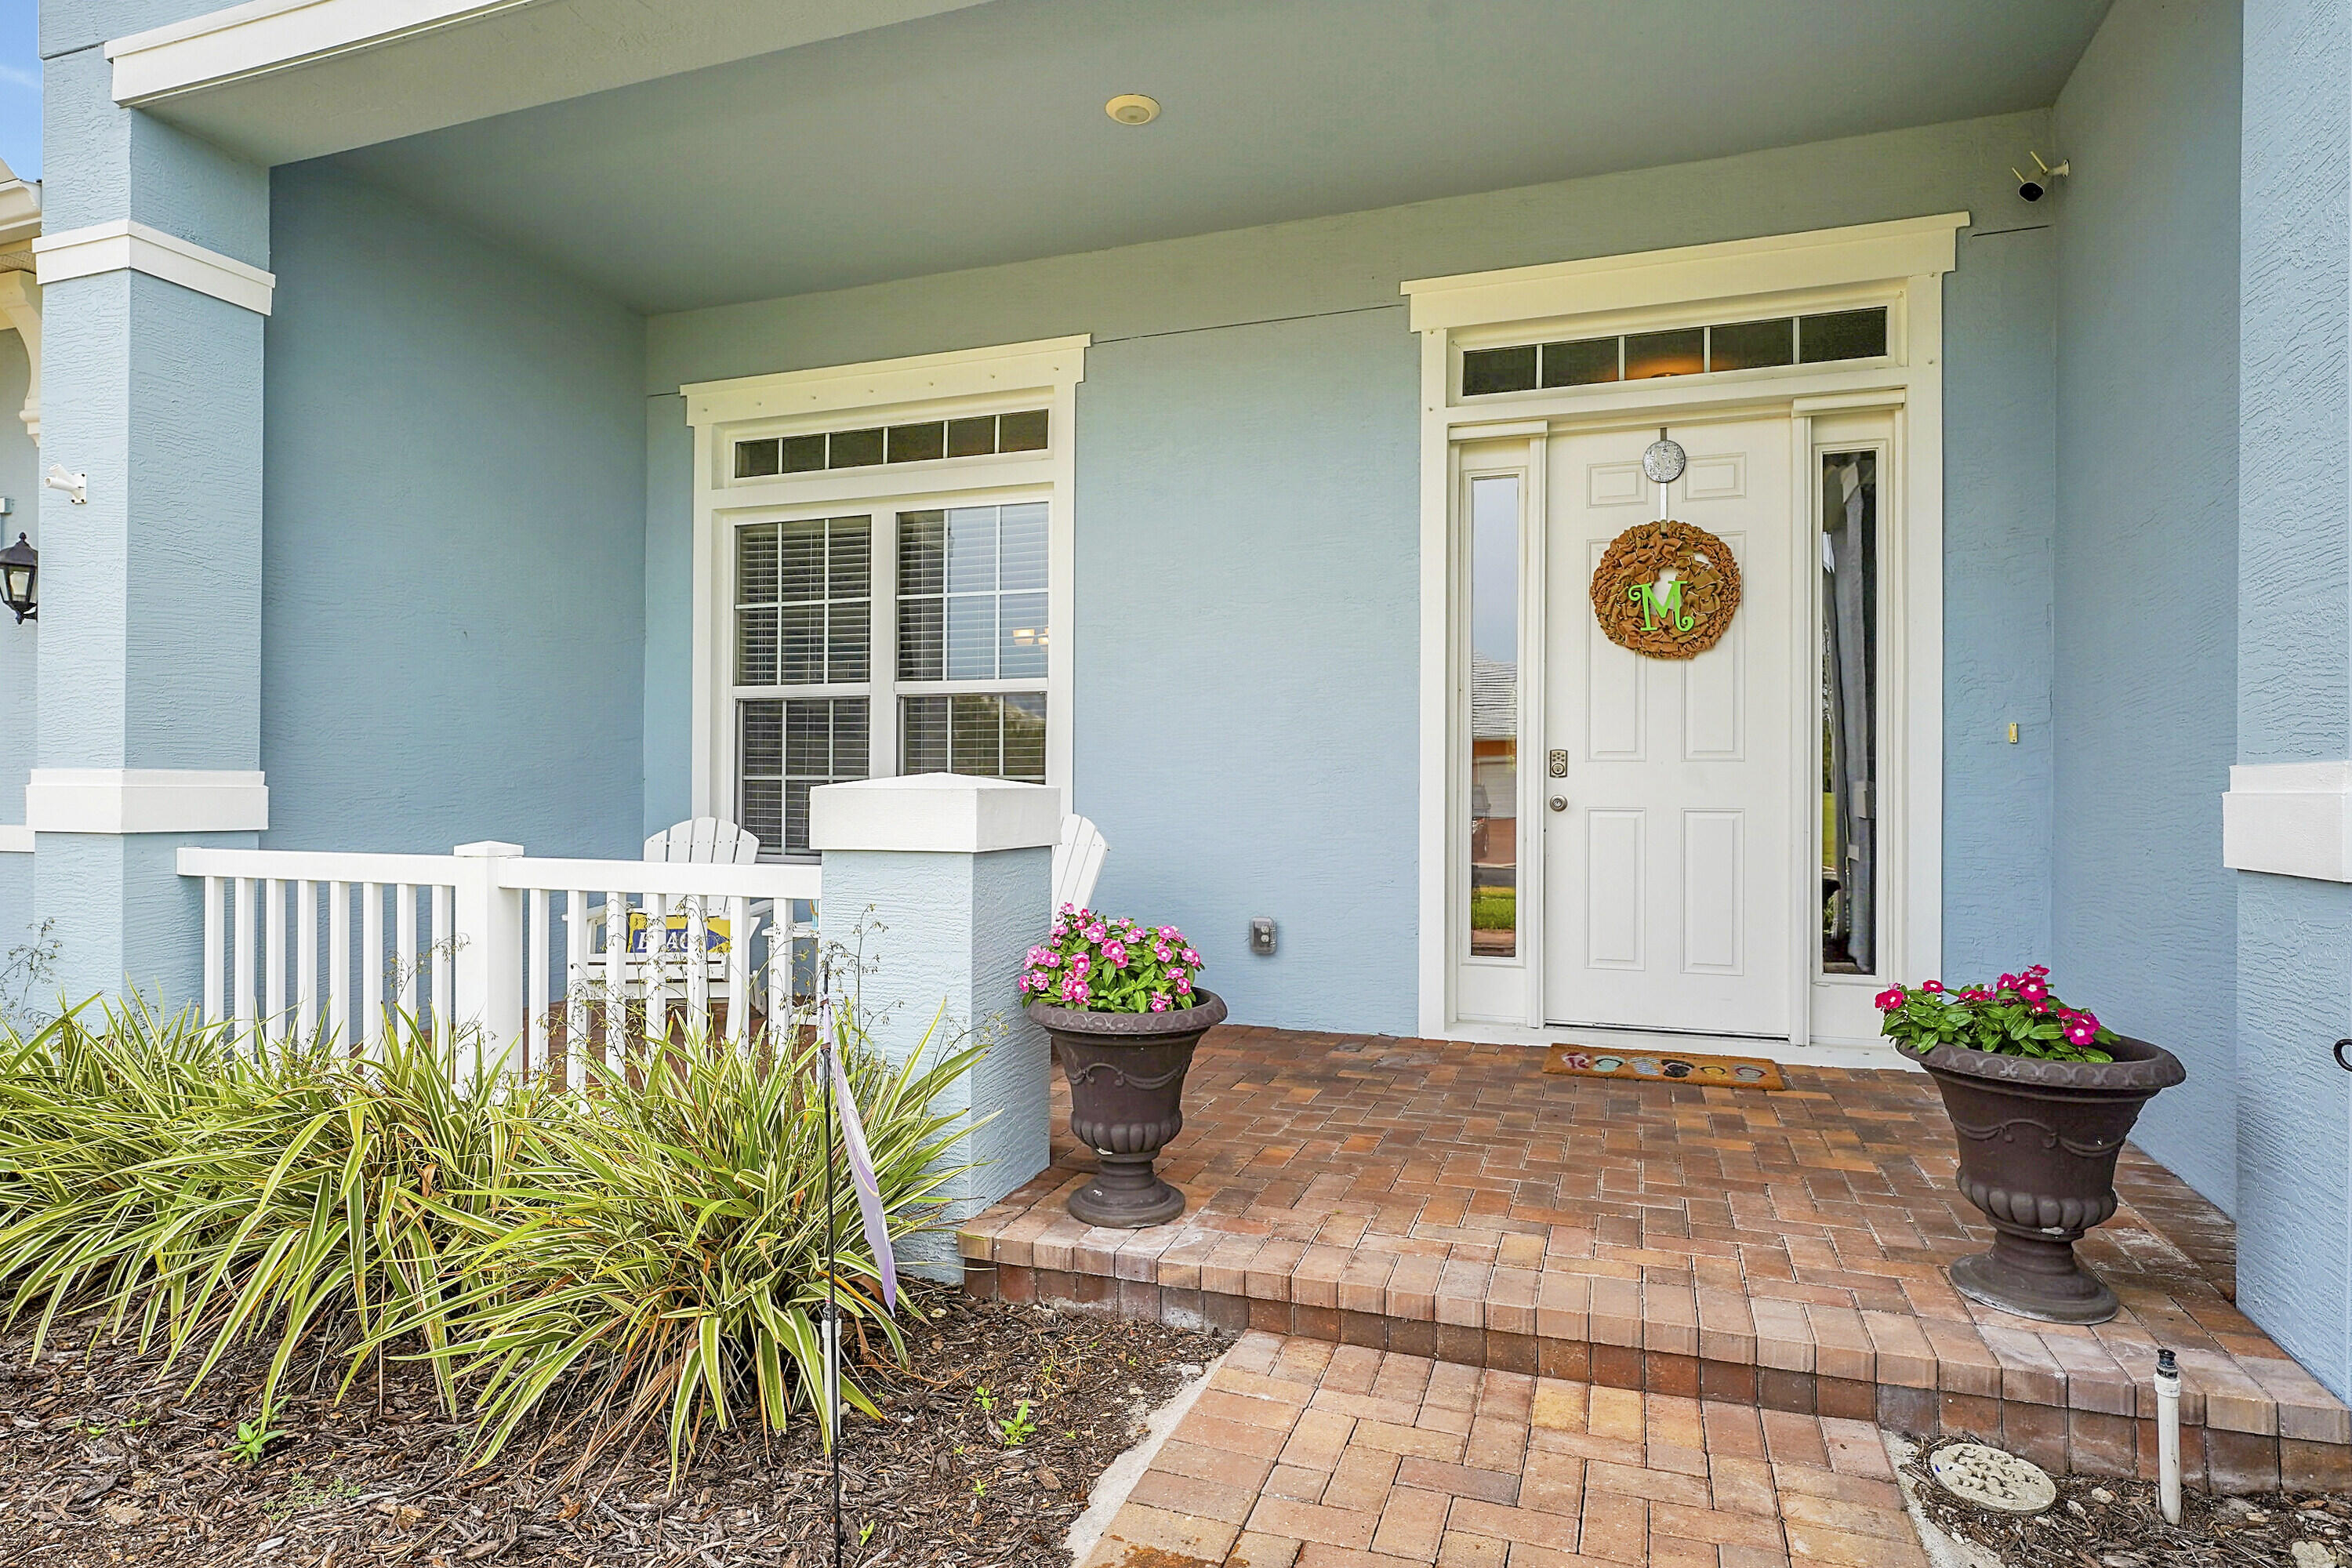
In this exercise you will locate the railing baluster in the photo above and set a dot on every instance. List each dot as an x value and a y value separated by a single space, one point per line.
780 969
273 938
338 965
738 971
443 1010
404 950
575 986
698 963
372 966
245 970
656 970
215 952
616 974
535 999
306 959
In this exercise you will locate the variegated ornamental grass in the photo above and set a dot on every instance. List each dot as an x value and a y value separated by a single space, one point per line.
644 1252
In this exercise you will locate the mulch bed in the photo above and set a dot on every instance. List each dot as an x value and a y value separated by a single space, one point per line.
100 1465
2109 1523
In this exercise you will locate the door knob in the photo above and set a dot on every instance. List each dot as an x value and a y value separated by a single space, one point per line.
1558 803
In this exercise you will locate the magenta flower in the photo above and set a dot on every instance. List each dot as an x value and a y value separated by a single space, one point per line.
1073 991
2039 971
2033 990
1162 952
1889 999
1160 1003
1096 932
1933 987
1116 953
2006 983
1183 986
1191 958
2080 1033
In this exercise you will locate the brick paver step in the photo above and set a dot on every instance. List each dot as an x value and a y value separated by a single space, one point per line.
1452 1204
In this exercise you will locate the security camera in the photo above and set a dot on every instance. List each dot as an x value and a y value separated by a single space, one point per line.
2031 187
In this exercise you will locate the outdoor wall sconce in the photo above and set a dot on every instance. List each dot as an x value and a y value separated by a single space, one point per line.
20 570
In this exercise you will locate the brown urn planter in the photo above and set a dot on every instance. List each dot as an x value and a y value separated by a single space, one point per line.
1126 1072
2037 1142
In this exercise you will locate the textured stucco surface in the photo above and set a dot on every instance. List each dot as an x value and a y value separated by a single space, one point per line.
456 530
940 939
2294 649
151 592
1248 557
2000 467
2144 915
19 646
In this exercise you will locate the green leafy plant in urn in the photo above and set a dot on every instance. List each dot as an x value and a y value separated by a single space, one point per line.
1120 1002
2041 1096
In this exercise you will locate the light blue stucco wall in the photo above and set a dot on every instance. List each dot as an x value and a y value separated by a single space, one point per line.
2144 915
19 474
2294 670
1248 560
455 523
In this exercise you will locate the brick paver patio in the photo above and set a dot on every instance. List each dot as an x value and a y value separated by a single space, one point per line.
1304 1454
1777 1249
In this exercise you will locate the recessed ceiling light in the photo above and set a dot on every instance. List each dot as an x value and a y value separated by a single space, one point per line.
1133 109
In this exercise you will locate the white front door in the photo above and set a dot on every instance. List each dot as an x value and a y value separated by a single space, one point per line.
1670 793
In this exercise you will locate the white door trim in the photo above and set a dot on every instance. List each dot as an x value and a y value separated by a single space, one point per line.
1899 265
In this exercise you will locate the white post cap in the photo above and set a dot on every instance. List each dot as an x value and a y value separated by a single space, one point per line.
940 813
488 849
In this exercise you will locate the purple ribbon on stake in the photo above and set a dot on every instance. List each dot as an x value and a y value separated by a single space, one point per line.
861 1170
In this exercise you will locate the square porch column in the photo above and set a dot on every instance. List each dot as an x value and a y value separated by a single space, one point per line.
935 887
149 687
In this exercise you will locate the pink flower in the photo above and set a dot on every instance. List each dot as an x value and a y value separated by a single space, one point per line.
2042 1009
2089 1017
1183 986
1073 991
1931 986
1191 958
2006 983
1175 975
2039 971
1162 952
2033 990
1160 1003
1051 959
1061 928
1096 932
2080 1033
1081 966
1890 999
1116 953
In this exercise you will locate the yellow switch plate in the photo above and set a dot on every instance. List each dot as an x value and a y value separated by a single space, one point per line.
2013 733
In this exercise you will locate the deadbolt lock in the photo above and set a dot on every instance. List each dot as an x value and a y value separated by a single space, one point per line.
1558 764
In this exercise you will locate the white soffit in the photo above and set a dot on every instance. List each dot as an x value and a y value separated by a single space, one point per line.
1818 258
2291 819
279 81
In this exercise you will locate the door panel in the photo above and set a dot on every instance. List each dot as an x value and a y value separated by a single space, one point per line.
1667 874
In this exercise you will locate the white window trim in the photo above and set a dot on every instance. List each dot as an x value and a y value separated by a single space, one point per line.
1003 379
1900 263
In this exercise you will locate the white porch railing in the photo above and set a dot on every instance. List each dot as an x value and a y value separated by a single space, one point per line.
486 942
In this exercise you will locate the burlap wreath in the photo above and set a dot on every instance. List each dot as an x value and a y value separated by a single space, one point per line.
1704 570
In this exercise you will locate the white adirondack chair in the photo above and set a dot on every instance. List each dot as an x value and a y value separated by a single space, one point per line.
1077 861
703 841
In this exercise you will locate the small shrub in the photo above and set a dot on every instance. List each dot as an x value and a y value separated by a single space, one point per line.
657 1253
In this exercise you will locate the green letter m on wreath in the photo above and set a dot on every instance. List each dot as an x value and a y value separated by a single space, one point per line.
1656 606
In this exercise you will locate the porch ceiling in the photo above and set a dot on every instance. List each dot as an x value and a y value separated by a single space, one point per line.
978 136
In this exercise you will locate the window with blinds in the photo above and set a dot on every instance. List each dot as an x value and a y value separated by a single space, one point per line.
963 685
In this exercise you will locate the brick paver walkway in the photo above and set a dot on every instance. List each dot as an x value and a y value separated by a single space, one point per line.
1303 1454
1779 1249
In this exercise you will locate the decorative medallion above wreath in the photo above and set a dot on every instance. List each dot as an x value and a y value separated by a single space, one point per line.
1667 590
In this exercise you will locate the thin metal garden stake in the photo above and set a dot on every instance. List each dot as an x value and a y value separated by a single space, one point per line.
831 1331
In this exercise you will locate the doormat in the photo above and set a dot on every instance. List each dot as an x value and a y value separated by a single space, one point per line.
1729 1073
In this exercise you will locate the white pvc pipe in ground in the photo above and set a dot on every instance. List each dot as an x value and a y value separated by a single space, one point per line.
2168 1437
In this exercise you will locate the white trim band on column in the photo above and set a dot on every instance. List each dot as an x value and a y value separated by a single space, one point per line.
937 812
124 246
145 800
2291 819
15 841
